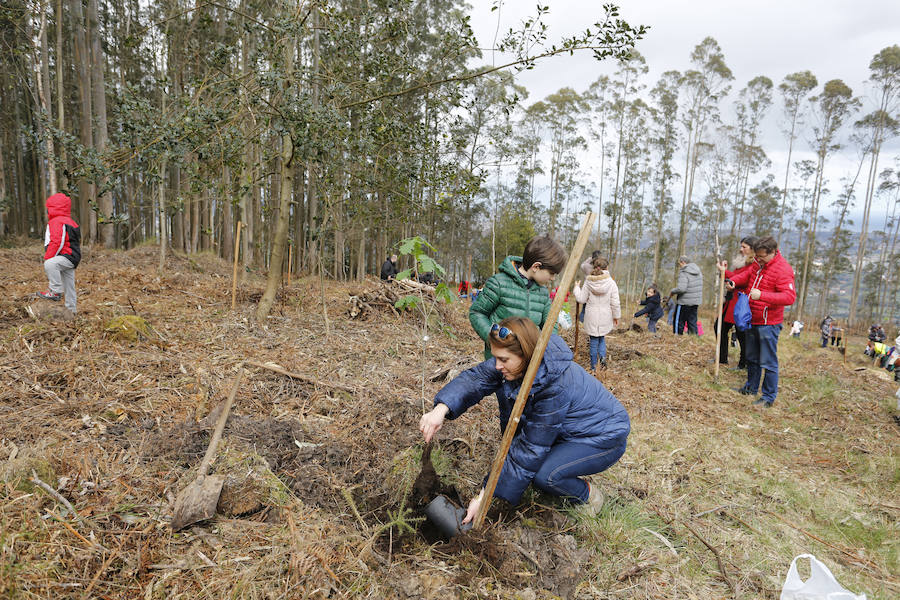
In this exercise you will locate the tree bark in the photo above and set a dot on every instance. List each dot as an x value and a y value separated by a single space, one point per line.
42 78
276 264
98 89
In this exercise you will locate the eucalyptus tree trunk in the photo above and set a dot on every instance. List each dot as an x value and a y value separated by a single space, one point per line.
42 78
163 221
313 232
60 95
98 92
811 235
88 218
282 222
864 233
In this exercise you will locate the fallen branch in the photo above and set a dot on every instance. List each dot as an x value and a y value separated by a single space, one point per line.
717 555
635 570
298 376
56 495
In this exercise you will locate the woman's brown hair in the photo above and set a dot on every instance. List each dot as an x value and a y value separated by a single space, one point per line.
520 342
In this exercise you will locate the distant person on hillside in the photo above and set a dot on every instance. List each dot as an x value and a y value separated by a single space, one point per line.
652 308
796 328
62 251
688 294
389 268
518 290
670 306
742 262
586 267
463 290
825 326
876 333
572 427
837 334
600 296
771 283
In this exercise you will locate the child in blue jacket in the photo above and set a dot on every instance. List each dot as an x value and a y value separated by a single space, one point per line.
572 426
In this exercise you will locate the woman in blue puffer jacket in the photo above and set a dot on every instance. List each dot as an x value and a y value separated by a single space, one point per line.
572 426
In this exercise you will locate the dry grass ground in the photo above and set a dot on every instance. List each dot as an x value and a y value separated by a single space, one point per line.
711 500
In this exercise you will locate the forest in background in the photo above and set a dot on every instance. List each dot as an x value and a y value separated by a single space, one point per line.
340 128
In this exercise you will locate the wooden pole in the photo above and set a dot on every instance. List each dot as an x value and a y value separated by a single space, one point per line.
536 358
237 247
719 324
577 312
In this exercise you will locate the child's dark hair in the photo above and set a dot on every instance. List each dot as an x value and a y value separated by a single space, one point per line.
653 287
547 251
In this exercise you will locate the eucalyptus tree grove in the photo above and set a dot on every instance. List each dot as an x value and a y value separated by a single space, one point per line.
324 132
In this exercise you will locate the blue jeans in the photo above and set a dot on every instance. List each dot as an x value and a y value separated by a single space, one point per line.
685 314
598 349
762 353
651 325
559 474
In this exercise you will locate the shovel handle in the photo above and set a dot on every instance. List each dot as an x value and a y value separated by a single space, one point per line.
220 425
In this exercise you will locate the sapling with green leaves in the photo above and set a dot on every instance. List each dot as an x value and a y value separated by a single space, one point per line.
417 248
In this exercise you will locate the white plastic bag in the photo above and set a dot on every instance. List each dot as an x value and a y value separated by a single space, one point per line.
821 584
564 320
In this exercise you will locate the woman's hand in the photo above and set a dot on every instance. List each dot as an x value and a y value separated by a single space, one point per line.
474 506
729 285
722 265
432 421
755 294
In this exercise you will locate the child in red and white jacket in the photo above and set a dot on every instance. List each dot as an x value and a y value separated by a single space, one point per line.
62 245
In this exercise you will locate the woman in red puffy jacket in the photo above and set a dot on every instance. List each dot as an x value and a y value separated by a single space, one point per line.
745 259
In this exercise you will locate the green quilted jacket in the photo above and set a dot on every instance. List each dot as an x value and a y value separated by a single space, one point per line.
507 295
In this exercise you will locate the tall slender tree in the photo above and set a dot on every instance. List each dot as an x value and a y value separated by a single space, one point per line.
794 89
880 125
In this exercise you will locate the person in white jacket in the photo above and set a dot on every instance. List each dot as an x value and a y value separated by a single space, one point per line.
600 295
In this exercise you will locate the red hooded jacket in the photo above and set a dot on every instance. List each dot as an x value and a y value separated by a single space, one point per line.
775 281
63 237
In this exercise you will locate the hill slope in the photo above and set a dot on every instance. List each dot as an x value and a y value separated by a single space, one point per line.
711 500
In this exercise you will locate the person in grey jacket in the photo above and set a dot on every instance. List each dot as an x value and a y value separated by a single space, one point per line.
688 294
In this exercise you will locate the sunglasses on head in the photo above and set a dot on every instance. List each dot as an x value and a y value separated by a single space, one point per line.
502 332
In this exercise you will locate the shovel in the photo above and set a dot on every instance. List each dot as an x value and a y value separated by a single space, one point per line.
197 502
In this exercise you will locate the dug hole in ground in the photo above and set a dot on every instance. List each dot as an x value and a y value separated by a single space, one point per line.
322 496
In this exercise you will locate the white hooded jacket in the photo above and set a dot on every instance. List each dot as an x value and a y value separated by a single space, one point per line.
600 295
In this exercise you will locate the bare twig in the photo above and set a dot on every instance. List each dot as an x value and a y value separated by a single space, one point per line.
300 377
717 555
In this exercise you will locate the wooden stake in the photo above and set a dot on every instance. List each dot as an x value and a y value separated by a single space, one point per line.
531 372
237 247
577 312
719 324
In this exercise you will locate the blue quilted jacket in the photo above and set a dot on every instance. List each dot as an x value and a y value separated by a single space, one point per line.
565 404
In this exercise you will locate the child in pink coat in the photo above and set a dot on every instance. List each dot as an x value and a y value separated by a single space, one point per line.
600 295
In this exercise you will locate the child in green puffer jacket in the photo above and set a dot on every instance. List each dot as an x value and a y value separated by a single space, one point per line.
518 289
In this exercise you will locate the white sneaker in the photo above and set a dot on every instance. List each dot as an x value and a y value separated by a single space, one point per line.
594 502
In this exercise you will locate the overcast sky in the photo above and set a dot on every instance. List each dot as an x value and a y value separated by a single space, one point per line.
835 39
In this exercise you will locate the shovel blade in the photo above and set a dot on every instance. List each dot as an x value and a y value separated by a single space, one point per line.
197 502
